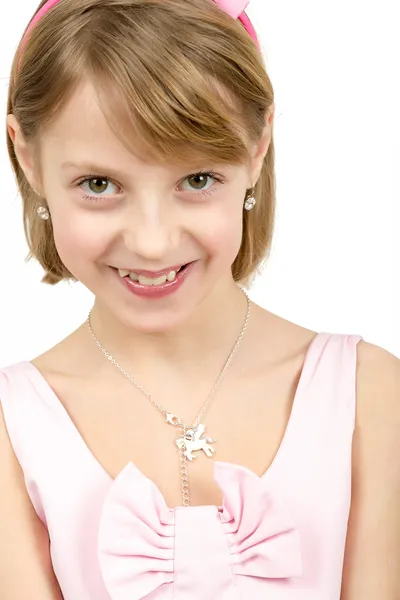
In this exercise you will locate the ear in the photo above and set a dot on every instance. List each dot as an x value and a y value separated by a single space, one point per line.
261 148
21 149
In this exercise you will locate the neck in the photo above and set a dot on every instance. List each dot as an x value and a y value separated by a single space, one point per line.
205 336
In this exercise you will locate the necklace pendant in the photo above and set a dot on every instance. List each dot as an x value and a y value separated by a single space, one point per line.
192 441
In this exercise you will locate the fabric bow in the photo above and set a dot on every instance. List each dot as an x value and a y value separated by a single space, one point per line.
136 538
262 539
234 8
138 535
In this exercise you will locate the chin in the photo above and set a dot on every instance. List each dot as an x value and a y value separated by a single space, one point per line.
158 319
157 324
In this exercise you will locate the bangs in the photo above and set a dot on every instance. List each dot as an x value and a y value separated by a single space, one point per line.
179 122
166 103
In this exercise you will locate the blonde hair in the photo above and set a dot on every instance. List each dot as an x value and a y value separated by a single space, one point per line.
170 75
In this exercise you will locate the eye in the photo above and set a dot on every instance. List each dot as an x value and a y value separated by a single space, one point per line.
96 183
198 185
199 180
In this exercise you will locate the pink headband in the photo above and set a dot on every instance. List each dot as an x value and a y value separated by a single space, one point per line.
234 8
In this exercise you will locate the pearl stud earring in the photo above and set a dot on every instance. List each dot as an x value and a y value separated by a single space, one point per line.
43 213
250 201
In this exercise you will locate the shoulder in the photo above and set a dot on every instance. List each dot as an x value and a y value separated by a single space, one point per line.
372 354
378 385
25 566
373 540
377 430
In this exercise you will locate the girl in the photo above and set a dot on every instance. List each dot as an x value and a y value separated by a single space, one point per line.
182 443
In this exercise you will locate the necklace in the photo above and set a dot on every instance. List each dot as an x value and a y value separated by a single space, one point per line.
192 439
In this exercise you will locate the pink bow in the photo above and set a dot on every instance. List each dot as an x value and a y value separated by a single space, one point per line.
234 8
138 535
136 538
262 539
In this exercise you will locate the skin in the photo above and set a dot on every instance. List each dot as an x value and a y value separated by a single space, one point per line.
153 218
150 218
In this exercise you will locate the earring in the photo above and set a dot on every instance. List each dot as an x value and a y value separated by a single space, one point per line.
43 213
250 201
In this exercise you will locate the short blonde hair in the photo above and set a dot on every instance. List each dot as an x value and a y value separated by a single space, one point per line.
170 75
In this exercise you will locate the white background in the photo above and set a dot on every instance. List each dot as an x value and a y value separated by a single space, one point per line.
336 257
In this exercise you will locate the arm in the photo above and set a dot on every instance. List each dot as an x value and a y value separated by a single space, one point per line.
25 565
372 558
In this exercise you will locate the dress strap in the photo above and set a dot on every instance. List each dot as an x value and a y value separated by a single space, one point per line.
322 419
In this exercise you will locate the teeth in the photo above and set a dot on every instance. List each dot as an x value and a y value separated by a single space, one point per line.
160 280
148 280
145 280
171 275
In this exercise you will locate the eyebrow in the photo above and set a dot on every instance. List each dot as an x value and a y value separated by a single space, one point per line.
102 170
92 168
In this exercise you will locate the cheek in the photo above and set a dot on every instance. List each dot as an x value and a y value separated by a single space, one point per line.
78 240
221 232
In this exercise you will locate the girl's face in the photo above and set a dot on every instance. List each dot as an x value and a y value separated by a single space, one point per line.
112 210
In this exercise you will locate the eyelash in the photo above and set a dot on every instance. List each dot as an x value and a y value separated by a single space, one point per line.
97 198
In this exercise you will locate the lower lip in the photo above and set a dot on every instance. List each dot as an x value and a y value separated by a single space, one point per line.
157 291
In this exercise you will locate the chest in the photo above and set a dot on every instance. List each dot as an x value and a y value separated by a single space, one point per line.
246 419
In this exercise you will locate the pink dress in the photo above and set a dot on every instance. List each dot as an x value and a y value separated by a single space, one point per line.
280 536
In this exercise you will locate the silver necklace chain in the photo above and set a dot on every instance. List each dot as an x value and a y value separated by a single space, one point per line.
191 440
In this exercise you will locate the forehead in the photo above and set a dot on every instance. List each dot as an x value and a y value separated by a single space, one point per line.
89 128
82 124
81 134
82 140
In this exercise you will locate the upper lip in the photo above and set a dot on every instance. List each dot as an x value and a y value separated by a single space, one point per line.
153 274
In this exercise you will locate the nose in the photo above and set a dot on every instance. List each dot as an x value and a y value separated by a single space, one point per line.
149 232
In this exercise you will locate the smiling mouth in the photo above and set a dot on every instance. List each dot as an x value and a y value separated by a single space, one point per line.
160 277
